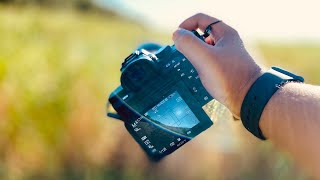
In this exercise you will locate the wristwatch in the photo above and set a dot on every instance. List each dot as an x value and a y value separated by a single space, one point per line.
260 93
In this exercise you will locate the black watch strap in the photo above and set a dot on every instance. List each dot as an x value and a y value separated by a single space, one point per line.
259 94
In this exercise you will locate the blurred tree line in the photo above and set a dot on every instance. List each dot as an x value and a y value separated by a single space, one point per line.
81 5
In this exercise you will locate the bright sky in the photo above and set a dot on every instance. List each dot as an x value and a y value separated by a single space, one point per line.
254 19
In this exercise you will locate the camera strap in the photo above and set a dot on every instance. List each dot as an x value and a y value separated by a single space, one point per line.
208 29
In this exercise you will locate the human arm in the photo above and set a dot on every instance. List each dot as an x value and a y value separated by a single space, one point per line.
291 119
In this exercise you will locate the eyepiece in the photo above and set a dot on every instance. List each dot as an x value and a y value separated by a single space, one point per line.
151 47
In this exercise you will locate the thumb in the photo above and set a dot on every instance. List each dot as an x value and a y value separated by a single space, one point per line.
193 48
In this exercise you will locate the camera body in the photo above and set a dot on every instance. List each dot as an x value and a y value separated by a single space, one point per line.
160 100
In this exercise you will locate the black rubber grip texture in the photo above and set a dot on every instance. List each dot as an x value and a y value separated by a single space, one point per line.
259 95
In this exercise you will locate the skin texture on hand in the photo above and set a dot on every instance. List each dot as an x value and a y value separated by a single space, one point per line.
226 69
291 118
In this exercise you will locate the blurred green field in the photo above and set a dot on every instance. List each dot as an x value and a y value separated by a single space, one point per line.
301 58
57 68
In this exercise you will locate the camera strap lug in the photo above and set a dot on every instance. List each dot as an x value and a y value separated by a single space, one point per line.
113 115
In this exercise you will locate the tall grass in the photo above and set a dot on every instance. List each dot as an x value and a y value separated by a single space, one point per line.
56 71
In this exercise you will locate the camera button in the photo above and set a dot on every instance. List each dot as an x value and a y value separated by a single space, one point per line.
201 94
176 65
193 89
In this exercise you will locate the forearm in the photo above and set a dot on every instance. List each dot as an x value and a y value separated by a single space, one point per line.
291 120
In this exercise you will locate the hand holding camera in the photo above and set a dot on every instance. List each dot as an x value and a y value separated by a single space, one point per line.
161 97
226 69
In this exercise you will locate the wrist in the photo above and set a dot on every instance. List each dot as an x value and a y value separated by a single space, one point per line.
260 93
268 112
236 103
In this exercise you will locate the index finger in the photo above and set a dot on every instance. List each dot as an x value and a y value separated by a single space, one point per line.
196 21
201 21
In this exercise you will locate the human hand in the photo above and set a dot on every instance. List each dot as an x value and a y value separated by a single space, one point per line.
225 68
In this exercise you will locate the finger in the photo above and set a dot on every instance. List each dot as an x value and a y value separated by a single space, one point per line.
196 21
192 47
201 21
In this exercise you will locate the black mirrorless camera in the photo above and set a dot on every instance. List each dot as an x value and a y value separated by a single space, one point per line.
160 99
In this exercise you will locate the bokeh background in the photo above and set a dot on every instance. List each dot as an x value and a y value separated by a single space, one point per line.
60 59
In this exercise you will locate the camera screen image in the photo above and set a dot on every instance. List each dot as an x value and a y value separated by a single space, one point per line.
173 113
